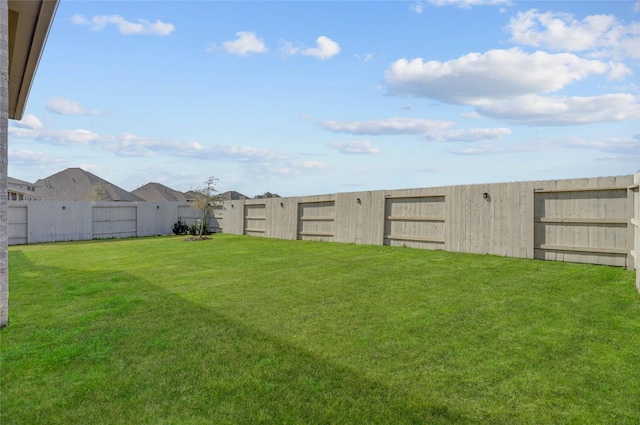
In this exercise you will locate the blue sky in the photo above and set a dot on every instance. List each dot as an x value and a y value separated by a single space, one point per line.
312 97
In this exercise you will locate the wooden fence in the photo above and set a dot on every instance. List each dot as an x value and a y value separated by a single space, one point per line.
591 220
53 221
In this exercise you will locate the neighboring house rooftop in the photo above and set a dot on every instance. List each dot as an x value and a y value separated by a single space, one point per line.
267 195
76 184
156 192
20 190
232 195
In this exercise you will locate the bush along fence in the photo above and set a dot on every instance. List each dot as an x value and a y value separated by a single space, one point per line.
590 220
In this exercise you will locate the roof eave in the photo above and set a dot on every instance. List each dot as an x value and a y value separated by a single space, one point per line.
27 40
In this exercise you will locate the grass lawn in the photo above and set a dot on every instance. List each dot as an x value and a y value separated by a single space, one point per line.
242 330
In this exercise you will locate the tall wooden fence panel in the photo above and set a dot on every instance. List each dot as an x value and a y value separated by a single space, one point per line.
18 223
254 219
490 219
114 220
416 221
316 220
187 214
582 223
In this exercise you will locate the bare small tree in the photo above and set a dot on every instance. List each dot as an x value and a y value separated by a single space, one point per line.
206 200
99 193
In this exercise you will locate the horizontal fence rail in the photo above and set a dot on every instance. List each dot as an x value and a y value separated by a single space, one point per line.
591 220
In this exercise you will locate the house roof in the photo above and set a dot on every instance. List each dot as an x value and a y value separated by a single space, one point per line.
23 187
18 182
76 184
267 195
156 192
29 23
232 195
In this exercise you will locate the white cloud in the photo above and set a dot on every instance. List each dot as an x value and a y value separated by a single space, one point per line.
364 58
325 48
469 135
121 144
603 34
491 150
497 74
636 7
131 145
615 148
473 115
80 20
31 159
248 159
30 121
56 137
315 165
547 111
389 126
246 154
358 147
288 49
618 71
62 106
417 7
623 147
246 43
141 26
440 131
465 4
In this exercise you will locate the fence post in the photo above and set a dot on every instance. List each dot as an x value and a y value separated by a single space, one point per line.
634 227
4 118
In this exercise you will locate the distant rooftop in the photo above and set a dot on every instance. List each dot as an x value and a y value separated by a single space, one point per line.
76 184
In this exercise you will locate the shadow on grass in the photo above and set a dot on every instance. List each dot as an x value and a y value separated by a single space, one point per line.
111 348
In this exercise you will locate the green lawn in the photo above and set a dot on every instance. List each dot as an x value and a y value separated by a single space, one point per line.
241 330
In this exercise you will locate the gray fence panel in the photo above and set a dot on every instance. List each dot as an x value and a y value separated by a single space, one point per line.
53 221
583 220
114 220
316 218
18 223
155 218
254 219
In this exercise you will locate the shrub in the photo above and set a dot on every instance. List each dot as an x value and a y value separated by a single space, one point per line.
180 227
